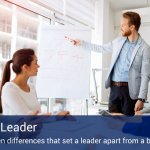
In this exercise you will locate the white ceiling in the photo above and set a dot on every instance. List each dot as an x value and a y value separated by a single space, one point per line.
129 4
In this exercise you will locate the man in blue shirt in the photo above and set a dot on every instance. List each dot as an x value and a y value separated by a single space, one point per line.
129 72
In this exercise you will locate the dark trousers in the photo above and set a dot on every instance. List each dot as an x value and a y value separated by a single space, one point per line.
120 101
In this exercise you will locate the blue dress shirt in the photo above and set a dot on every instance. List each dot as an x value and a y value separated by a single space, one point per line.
121 68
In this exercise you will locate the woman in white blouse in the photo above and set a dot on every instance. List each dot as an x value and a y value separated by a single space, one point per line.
18 97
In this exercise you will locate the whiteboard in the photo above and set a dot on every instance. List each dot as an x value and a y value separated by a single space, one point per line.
64 68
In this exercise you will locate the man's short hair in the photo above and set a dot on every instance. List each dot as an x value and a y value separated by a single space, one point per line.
134 19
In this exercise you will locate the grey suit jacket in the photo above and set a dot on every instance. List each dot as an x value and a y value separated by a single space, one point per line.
139 69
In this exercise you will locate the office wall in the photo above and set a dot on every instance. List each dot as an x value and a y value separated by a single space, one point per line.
106 58
104 28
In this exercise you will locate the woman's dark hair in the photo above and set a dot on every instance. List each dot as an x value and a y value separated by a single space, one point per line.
20 58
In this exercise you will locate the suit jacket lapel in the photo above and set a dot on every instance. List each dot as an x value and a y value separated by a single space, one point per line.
135 50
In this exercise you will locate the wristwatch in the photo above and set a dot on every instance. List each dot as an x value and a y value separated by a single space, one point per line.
142 100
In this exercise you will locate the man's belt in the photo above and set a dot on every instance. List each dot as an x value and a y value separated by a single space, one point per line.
119 83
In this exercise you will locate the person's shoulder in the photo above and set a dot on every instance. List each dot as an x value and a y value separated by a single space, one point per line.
119 39
9 87
144 43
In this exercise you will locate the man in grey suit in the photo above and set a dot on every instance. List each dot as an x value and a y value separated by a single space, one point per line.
129 72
